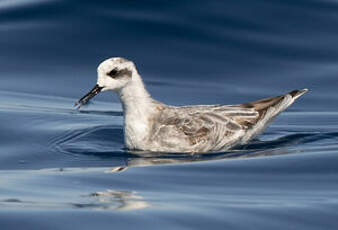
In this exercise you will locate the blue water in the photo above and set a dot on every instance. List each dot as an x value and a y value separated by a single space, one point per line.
67 169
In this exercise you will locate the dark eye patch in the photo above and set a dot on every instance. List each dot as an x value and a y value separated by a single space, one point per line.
113 73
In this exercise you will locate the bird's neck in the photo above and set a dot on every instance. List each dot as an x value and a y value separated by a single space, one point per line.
135 98
138 110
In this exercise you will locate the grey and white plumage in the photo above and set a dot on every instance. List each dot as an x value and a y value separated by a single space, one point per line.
153 126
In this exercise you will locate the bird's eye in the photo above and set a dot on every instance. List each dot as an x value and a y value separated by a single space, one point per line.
113 73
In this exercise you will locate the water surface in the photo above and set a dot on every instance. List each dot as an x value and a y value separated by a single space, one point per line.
67 169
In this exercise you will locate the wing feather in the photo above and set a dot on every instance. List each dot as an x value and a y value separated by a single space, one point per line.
215 127
203 128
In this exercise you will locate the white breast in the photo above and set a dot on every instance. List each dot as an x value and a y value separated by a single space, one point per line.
135 131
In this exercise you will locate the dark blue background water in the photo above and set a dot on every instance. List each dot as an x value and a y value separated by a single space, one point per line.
65 169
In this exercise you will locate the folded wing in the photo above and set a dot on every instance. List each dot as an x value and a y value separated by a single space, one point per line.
217 127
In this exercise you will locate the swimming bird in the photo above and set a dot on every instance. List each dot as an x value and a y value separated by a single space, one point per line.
154 126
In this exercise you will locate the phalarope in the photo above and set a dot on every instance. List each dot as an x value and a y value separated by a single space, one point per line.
153 126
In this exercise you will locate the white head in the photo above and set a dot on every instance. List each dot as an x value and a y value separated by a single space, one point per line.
115 73
112 74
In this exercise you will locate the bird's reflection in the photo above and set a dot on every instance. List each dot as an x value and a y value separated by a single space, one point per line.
117 200
130 200
257 148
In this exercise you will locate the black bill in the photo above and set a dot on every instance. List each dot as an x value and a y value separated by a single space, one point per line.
86 98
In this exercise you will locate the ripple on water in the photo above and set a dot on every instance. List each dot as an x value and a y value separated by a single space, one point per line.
98 140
